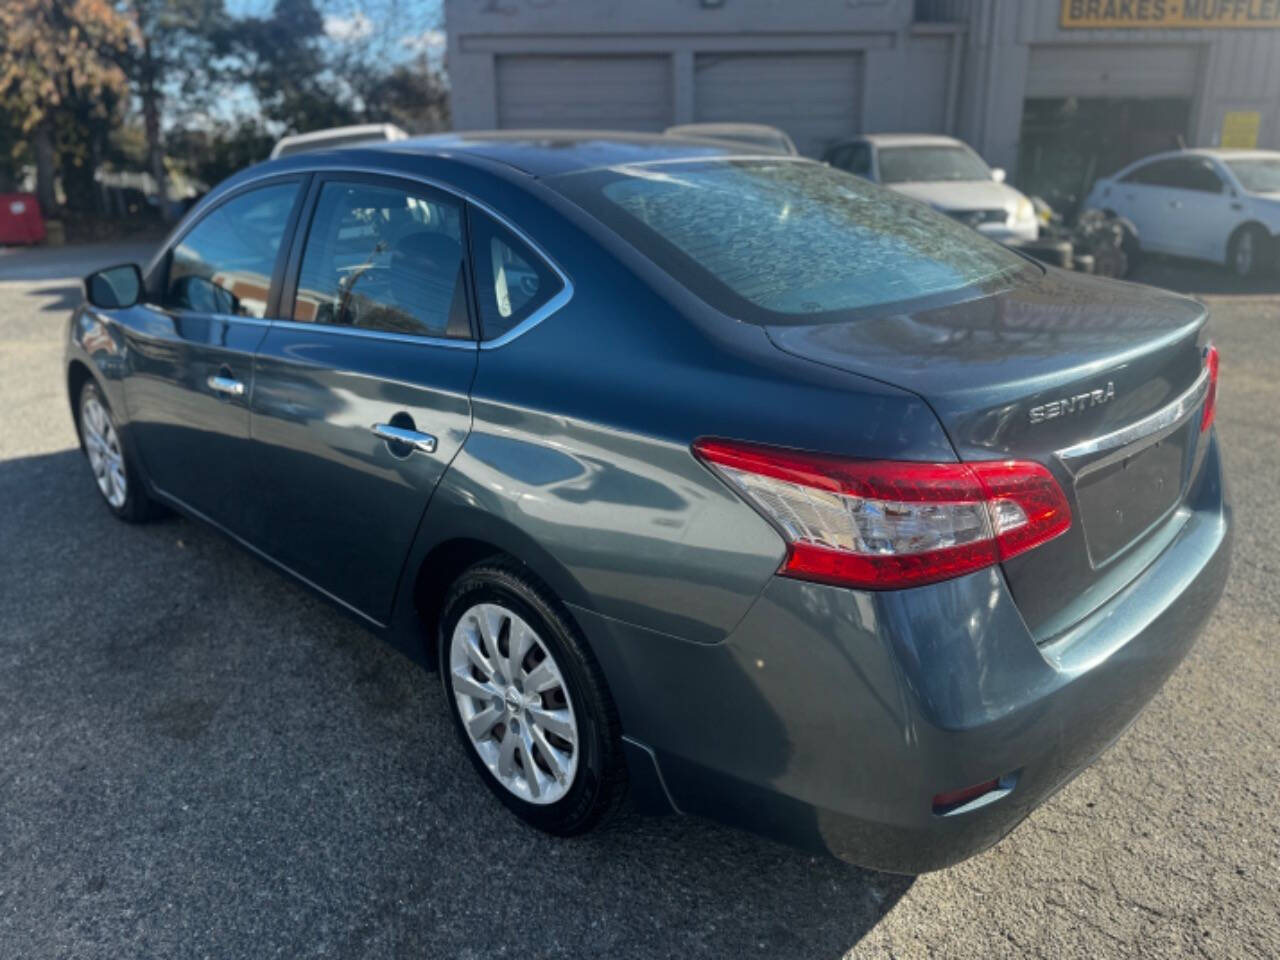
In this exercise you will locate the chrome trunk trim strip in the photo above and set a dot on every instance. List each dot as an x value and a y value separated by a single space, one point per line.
1094 454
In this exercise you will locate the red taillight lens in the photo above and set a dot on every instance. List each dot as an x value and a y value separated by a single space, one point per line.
945 802
1211 398
883 524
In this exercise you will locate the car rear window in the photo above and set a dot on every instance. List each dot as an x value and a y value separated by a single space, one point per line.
770 240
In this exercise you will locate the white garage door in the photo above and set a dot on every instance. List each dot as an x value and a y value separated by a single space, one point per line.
1108 70
595 92
814 97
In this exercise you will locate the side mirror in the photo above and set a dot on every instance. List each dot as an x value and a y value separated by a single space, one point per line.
114 287
998 174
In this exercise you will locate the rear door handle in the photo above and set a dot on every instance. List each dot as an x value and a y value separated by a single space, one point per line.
423 442
228 385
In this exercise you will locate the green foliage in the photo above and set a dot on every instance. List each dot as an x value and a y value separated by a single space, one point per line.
180 85
214 153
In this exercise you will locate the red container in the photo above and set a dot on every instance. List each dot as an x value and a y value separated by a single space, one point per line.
20 220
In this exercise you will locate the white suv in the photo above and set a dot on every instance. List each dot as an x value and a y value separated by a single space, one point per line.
1218 205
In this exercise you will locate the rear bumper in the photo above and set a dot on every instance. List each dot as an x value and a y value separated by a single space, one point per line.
830 718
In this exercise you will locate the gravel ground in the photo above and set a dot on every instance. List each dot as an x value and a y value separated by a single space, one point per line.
199 759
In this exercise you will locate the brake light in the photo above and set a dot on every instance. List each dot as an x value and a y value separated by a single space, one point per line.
1211 398
881 524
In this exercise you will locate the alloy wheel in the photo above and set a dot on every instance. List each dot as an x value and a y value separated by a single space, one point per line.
102 443
514 703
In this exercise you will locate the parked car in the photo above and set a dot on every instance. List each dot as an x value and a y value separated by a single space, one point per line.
765 492
1216 205
759 137
946 174
332 137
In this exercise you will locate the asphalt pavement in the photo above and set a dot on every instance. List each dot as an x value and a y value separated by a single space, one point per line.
200 759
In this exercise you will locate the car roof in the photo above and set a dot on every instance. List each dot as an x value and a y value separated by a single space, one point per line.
1232 153
910 140
384 130
544 153
1213 153
754 128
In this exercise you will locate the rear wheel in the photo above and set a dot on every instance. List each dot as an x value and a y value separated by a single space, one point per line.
529 701
1246 251
113 472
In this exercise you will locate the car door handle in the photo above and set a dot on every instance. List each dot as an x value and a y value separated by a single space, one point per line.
1176 204
423 442
228 385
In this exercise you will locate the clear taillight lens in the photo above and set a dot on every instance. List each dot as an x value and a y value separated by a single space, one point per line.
880 524
1211 398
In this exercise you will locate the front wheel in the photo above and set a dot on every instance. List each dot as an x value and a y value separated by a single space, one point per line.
529 701
113 472
1246 251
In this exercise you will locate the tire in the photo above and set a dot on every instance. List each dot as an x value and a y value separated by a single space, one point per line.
1131 247
114 472
1247 251
517 725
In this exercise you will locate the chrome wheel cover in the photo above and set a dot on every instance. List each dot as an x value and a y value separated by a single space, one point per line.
514 704
103 446
1244 253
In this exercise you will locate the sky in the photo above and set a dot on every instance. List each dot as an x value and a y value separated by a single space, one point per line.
345 20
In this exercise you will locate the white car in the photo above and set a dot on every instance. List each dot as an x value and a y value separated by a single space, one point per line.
337 137
758 136
946 174
1218 205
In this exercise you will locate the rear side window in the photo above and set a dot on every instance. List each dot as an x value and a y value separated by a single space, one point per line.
767 240
1161 173
512 281
386 259
224 263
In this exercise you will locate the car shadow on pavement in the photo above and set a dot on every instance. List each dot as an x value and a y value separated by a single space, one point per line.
209 751
66 296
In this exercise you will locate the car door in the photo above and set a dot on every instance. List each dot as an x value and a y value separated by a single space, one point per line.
1198 217
191 348
361 395
1143 196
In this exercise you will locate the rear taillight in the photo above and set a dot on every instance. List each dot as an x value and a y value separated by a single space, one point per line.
882 524
1210 398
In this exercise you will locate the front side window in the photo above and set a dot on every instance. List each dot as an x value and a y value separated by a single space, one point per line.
930 164
785 241
386 259
1193 174
512 282
224 264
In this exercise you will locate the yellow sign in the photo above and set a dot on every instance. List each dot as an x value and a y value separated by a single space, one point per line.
1187 14
1240 129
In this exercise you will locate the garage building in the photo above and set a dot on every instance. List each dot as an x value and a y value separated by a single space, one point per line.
1056 91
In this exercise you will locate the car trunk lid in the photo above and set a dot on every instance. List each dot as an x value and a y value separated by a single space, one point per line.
1097 380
